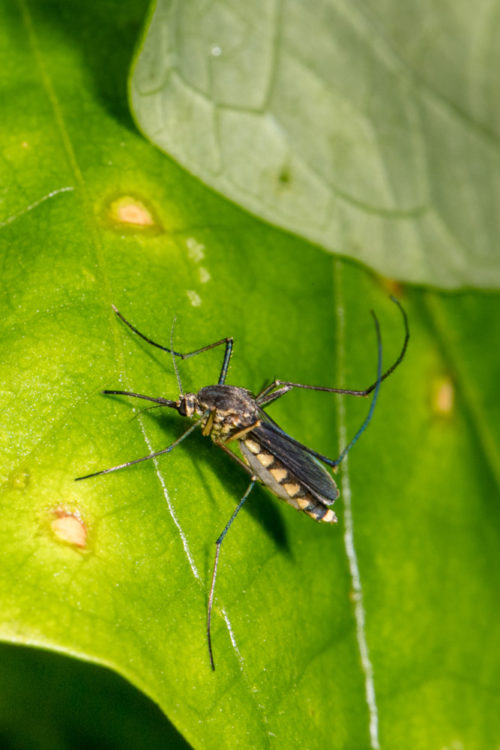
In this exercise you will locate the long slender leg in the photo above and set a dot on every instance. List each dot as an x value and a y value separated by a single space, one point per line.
320 456
227 341
144 458
267 397
374 399
218 544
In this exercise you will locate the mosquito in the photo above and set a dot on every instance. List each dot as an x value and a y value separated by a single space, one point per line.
231 414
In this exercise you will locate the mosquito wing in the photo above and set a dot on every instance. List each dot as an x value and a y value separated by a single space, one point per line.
307 469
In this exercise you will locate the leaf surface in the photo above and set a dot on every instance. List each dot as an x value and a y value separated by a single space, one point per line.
375 632
368 128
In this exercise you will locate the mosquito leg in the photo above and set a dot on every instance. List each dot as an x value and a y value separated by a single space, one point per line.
227 341
266 397
144 458
235 458
374 398
218 544
320 456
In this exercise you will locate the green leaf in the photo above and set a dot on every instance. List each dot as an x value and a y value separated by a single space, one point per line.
370 129
377 632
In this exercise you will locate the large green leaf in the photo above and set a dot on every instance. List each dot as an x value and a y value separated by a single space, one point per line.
369 128
377 632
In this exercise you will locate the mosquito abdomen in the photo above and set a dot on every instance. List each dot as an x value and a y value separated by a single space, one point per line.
282 482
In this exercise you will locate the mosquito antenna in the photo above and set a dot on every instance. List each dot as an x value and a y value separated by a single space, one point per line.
181 392
161 401
218 544
374 399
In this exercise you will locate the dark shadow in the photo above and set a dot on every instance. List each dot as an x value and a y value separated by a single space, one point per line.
50 701
234 479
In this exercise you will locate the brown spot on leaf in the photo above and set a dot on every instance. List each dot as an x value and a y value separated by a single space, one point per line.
131 213
391 286
443 396
69 527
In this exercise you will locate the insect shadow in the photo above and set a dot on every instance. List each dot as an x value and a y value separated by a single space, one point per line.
265 513
228 413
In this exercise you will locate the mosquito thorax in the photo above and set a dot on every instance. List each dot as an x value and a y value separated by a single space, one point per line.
229 399
226 409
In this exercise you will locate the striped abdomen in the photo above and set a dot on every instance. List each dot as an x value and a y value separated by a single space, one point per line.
286 484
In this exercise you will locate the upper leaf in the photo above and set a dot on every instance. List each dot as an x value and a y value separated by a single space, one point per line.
371 131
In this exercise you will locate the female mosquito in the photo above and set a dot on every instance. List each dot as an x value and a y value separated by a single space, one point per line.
228 413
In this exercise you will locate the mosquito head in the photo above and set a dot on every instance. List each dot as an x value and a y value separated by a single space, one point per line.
188 405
